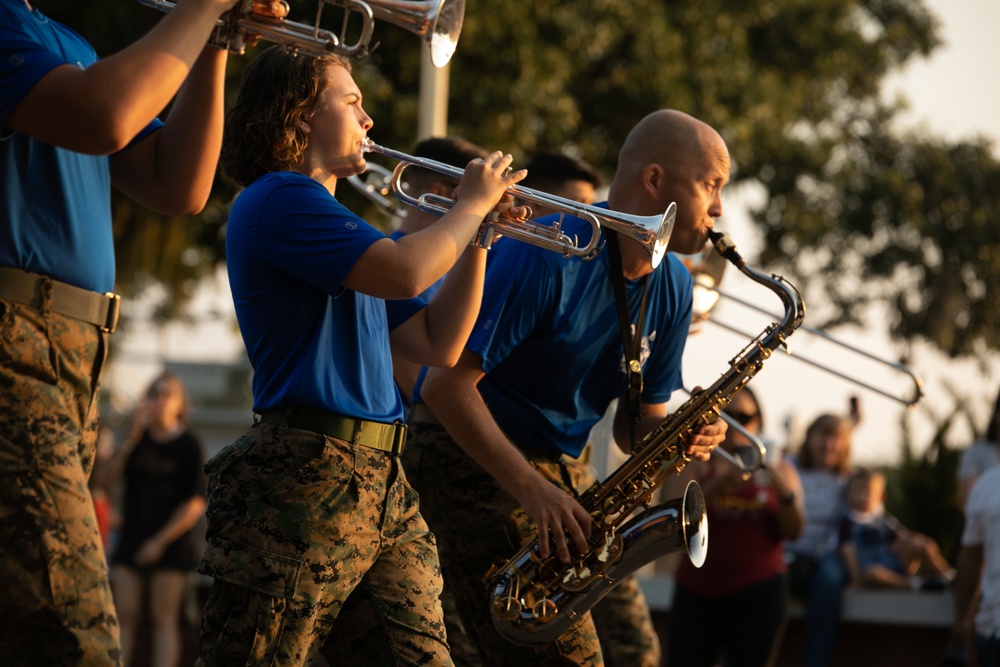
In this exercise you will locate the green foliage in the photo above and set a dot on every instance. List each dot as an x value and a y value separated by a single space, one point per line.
793 86
923 495
923 490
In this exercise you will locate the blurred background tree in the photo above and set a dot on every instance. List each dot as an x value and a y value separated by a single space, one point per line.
793 85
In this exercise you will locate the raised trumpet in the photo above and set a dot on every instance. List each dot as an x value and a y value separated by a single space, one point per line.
651 231
437 22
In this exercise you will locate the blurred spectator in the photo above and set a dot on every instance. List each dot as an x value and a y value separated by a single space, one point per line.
735 603
880 552
164 497
979 456
816 572
979 567
103 507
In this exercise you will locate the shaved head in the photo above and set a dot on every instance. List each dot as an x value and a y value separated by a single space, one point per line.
669 158
672 139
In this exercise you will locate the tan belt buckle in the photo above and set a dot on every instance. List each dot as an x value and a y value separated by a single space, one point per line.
114 309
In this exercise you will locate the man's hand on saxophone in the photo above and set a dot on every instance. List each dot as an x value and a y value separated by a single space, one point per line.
453 396
700 447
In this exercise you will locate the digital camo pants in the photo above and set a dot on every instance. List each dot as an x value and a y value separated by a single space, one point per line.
55 606
475 522
320 556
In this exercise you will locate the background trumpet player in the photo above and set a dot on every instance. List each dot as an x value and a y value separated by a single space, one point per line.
543 364
72 126
309 506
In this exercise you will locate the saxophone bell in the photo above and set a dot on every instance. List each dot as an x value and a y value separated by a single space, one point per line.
525 612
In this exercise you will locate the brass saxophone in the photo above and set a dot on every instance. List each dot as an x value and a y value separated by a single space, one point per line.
534 600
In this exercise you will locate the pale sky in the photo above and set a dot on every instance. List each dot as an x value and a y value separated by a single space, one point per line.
956 92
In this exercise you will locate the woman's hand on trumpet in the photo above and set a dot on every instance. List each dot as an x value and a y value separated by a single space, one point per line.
483 186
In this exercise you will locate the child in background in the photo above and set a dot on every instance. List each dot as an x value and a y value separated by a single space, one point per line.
880 552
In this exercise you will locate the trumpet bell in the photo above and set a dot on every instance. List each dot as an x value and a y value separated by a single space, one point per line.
438 22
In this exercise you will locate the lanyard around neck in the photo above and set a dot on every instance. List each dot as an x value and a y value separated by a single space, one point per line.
631 340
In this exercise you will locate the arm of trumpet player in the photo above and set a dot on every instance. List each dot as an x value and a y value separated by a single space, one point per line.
172 170
453 395
99 109
405 268
436 335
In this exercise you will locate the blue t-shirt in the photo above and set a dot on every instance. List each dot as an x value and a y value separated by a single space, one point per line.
426 295
55 218
312 343
551 344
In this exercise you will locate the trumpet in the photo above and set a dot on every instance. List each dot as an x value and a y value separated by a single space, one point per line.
437 22
650 231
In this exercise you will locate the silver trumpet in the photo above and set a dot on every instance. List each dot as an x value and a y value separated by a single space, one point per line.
437 22
651 231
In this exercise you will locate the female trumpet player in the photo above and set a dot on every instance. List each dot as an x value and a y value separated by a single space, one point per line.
309 506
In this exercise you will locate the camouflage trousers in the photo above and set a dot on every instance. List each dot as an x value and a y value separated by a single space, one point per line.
320 556
475 521
56 606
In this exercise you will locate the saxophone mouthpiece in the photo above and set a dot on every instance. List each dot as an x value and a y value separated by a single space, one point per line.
725 247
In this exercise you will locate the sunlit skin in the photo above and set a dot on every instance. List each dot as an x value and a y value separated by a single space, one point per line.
692 178
336 131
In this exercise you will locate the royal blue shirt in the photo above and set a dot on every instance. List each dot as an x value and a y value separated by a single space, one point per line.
311 342
551 344
55 217
426 295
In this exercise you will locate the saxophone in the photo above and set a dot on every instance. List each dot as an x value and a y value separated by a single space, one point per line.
534 600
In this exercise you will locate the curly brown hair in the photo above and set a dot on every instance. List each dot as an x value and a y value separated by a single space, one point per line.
261 133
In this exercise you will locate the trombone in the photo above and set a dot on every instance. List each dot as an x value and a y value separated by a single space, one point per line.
375 185
907 400
652 231
437 22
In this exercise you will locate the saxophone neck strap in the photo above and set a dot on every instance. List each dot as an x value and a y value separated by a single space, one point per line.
631 338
